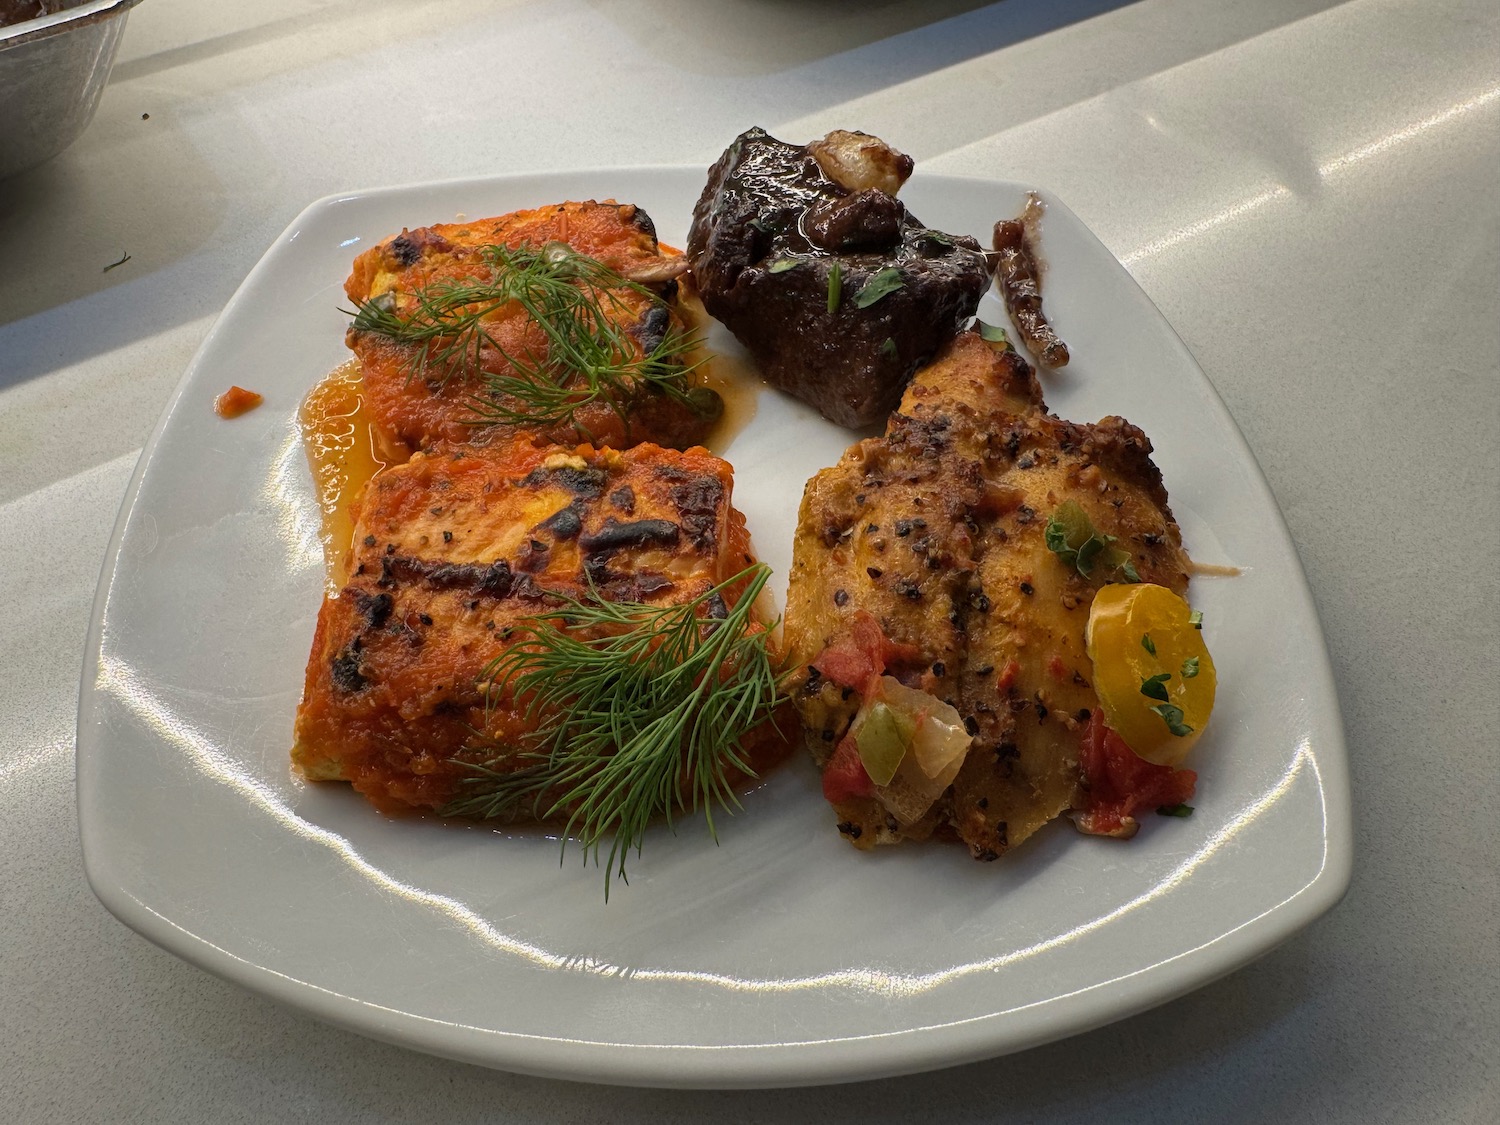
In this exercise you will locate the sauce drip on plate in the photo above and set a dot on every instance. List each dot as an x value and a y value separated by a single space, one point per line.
344 453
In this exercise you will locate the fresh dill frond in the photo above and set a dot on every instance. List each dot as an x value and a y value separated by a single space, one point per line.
634 712
580 305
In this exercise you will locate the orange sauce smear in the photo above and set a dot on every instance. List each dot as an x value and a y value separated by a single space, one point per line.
735 380
739 385
344 454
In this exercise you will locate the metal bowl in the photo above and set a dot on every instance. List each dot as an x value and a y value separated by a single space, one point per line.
52 71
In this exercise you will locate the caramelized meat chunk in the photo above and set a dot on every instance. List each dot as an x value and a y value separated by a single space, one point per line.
834 287
1021 284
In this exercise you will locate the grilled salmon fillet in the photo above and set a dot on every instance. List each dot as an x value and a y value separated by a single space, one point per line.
922 555
419 406
456 550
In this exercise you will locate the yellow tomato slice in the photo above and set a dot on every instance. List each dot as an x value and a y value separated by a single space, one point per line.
1152 671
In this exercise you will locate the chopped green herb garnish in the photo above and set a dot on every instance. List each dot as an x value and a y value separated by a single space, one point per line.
115 265
993 334
1156 687
1148 644
1172 716
638 712
882 284
1195 619
835 287
592 355
1071 537
1190 668
888 349
781 265
1175 810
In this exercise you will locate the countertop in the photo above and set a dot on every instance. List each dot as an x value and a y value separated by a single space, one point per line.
1304 188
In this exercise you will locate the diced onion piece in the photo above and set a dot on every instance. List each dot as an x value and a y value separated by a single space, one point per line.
937 743
939 746
938 737
858 161
1141 633
883 738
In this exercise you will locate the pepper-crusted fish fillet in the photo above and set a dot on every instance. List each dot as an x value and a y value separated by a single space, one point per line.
922 555
453 553
419 407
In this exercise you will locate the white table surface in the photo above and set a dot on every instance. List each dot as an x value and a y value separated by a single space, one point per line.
1307 189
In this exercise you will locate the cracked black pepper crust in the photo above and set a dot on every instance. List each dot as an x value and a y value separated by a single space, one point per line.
938 530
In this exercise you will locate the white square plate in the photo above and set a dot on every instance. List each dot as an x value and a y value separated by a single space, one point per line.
779 957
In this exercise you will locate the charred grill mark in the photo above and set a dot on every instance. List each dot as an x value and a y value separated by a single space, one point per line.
345 671
623 498
653 327
566 523
616 536
699 499
493 581
374 608
407 248
642 222
587 484
403 251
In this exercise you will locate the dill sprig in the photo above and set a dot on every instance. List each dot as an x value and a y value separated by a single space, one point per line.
635 712
581 307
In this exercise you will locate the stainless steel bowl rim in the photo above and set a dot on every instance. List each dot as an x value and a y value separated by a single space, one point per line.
95 11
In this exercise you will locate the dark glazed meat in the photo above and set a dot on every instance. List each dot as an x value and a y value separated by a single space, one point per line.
1021 284
783 253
